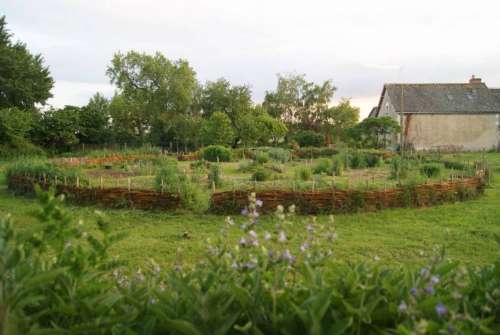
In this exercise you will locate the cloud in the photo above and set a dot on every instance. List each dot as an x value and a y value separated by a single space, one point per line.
359 44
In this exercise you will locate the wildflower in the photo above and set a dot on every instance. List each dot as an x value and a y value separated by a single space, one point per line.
244 211
434 280
85 234
376 258
287 256
253 234
456 295
414 291
267 236
441 309
310 228
424 272
331 219
402 307
259 203
229 221
234 266
68 245
291 209
280 209
243 242
152 301
429 289
248 265
304 247
282 236
255 242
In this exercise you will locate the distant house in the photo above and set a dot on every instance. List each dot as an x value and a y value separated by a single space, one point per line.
464 116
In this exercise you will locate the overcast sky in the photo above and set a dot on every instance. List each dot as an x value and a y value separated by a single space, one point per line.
360 45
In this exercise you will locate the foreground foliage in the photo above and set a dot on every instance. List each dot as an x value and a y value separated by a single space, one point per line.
62 280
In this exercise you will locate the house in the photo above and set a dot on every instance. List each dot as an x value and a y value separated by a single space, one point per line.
450 117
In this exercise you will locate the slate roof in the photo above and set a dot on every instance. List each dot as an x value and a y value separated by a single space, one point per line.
373 112
496 92
443 98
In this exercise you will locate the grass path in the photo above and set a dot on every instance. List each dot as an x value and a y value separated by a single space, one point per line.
399 236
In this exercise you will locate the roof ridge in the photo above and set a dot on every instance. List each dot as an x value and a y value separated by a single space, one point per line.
422 84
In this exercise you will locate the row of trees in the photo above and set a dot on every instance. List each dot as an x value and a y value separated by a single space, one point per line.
160 101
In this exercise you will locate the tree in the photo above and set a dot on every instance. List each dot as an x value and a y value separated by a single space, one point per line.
156 88
299 102
218 130
24 80
376 132
339 118
94 125
128 126
58 128
234 101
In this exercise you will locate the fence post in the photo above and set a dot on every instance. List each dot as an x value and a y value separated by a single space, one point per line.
77 182
128 184
162 186
313 182
101 182
213 186
65 181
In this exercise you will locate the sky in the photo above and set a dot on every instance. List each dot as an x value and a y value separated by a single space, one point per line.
359 45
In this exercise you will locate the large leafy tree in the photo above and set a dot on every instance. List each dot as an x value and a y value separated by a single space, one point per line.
374 132
299 102
218 130
58 128
157 88
234 101
94 125
128 126
339 118
24 79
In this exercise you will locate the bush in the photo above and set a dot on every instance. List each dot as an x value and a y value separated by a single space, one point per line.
279 155
431 170
261 174
337 166
328 152
303 173
309 138
399 168
169 179
372 160
357 160
261 157
324 165
212 152
214 175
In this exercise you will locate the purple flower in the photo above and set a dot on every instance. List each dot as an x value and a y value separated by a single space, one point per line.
287 256
441 309
310 228
414 291
402 307
234 266
258 203
253 234
267 236
304 247
248 265
434 280
243 242
429 289
424 272
244 211
282 236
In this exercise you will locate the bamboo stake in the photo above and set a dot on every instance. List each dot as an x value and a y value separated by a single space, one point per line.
101 182
77 182
128 184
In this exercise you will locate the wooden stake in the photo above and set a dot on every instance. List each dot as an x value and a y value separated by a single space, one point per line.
128 184
101 182
213 186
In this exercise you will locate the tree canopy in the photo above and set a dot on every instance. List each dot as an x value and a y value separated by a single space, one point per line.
24 79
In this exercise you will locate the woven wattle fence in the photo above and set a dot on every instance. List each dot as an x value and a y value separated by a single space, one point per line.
76 161
314 202
113 197
342 201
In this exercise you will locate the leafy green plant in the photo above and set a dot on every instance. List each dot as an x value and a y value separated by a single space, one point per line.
213 153
431 170
247 166
214 175
261 157
324 165
399 168
309 138
279 155
261 174
303 173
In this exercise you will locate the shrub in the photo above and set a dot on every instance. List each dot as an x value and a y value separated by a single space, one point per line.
399 168
279 154
357 160
214 175
261 157
309 138
372 160
261 174
247 166
212 152
324 165
328 152
431 170
170 179
337 166
303 173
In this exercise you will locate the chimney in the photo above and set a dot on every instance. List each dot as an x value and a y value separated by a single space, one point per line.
474 80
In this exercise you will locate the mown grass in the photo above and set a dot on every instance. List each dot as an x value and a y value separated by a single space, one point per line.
399 236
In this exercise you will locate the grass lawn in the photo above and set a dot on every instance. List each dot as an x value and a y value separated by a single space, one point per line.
399 236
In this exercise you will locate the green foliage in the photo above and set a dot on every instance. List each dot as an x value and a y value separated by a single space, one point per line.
270 284
261 157
169 179
309 138
372 160
218 130
399 168
24 79
57 129
213 153
303 173
261 174
374 132
324 165
279 155
431 170
94 121
214 175
357 160
15 126
246 166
